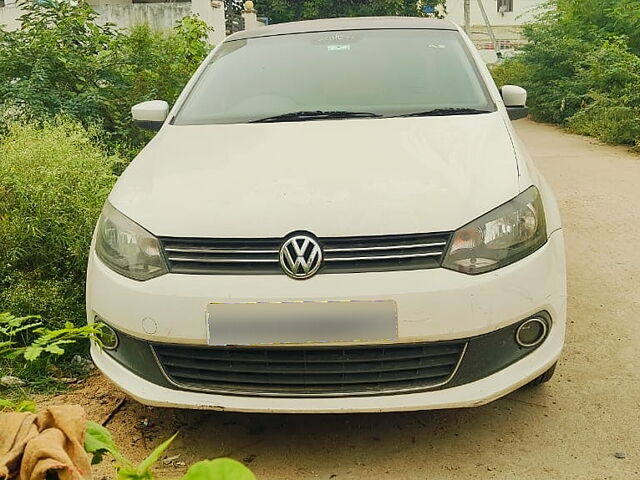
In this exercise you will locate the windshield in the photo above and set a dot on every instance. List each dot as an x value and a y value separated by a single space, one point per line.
369 73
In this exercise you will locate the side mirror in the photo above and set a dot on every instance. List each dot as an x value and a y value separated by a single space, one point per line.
150 115
515 99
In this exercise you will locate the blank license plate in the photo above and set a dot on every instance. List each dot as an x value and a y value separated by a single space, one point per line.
301 322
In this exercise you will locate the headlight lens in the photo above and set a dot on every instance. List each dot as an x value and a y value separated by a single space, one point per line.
502 236
126 247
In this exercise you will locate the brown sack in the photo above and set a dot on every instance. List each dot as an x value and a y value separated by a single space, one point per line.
32 445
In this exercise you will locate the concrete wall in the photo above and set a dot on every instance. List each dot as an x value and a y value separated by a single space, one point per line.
212 12
159 16
9 16
109 2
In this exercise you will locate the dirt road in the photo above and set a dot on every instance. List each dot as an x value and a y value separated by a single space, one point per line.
568 429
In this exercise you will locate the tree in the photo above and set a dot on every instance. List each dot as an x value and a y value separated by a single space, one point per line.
291 10
62 61
581 66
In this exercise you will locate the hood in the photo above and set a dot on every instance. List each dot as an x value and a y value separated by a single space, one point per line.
331 178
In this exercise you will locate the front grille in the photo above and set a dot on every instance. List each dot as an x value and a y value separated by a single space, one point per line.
341 254
319 371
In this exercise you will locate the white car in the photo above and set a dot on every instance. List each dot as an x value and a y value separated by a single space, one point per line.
335 216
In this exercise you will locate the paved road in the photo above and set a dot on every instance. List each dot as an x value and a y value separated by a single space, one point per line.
569 429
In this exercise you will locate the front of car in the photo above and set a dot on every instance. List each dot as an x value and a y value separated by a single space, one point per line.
336 216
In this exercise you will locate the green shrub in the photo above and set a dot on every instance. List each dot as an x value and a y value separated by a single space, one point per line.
151 65
27 349
509 72
60 61
99 442
613 69
581 67
608 120
57 300
611 108
292 10
54 62
53 183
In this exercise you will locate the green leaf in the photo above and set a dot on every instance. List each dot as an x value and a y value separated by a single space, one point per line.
155 455
98 441
32 353
219 469
132 474
22 406
54 349
26 406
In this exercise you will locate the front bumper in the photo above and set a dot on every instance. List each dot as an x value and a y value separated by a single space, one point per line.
433 305
472 394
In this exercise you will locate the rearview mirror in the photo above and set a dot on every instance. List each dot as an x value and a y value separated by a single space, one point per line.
515 99
151 114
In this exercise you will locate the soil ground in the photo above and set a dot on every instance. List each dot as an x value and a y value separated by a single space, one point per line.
570 428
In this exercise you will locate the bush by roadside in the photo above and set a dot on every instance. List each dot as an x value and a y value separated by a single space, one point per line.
66 88
61 61
53 183
582 68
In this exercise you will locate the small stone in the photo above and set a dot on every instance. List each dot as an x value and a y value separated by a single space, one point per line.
84 363
180 464
620 455
249 458
170 460
9 381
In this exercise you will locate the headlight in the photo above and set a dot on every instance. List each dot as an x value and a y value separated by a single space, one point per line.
502 236
126 247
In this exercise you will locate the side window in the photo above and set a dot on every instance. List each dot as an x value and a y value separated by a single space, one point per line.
505 6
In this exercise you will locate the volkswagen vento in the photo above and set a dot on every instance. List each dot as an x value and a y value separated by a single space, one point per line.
334 216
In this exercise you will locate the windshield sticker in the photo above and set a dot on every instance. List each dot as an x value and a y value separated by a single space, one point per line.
338 48
336 37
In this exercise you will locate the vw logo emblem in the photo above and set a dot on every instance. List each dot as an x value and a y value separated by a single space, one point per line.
300 257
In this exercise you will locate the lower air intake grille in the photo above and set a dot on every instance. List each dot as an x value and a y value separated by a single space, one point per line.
319 371
255 256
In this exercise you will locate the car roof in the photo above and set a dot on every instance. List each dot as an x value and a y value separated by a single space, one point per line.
353 23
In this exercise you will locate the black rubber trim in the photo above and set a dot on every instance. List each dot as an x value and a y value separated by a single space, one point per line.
517 113
492 352
136 355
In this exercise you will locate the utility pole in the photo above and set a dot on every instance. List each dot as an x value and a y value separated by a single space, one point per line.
492 35
467 17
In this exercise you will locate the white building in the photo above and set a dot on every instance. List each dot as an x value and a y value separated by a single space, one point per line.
505 16
501 13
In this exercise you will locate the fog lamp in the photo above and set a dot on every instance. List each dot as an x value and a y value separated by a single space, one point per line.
107 336
532 332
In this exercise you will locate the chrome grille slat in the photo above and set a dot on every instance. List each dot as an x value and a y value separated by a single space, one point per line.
382 257
260 256
390 247
219 250
315 371
222 260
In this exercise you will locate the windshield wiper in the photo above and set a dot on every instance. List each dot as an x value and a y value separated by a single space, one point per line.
315 115
445 111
